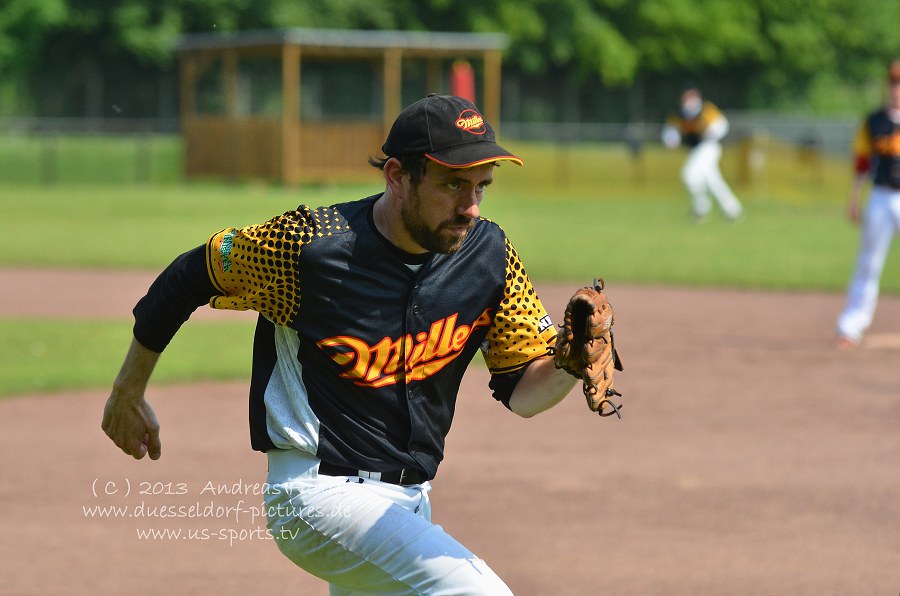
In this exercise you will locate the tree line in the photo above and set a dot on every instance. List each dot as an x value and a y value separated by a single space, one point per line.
613 59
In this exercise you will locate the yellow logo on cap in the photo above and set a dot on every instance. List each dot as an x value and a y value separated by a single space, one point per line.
471 121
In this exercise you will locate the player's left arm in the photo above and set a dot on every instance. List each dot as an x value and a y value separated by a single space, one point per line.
518 347
541 387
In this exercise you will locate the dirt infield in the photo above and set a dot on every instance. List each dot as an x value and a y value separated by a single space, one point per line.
753 458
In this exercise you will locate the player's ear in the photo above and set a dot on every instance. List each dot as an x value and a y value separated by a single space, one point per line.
395 177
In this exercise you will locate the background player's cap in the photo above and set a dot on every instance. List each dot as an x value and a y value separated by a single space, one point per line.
894 72
448 130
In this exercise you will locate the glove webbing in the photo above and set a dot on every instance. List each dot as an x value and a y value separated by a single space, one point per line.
610 392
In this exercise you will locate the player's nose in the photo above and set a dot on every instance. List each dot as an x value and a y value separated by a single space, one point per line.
471 211
470 206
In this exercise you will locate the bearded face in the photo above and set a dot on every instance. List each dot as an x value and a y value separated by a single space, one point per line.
445 237
438 211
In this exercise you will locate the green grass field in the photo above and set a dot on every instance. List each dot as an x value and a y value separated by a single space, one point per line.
90 159
61 354
573 213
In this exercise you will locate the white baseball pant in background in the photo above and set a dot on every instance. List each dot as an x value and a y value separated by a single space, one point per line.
702 178
880 221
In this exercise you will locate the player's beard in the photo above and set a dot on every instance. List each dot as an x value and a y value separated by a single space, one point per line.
438 239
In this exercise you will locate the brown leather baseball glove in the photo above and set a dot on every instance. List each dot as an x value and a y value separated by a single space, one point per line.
585 348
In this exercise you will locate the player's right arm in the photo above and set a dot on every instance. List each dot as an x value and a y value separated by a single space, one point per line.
128 420
223 273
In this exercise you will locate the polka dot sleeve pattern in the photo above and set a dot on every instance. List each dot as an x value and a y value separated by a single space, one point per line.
255 268
521 330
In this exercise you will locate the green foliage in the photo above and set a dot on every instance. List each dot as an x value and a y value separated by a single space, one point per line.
346 14
23 26
146 32
690 34
773 53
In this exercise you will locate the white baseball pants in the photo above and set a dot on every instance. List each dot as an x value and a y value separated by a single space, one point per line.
702 178
880 221
365 536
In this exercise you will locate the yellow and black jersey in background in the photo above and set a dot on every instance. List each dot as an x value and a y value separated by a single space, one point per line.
693 129
876 148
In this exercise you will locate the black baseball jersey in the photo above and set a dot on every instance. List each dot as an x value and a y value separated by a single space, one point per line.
358 356
877 148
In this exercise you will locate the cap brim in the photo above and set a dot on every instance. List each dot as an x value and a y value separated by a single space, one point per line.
470 155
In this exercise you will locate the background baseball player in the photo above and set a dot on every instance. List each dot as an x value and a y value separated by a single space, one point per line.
876 148
370 312
700 126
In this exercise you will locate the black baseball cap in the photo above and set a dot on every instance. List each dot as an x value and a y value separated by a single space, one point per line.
448 130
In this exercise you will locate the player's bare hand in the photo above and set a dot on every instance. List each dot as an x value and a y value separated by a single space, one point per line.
132 426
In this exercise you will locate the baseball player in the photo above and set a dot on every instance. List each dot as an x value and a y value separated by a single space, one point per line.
700 126
876 148
369 313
